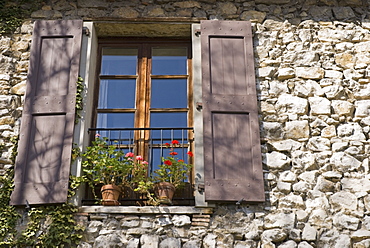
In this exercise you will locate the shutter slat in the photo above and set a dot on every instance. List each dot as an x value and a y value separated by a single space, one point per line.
44 148
233 162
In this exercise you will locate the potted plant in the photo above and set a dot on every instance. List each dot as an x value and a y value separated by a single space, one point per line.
171 175
106 164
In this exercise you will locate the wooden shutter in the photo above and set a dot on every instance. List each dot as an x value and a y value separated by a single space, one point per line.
44 148
232 151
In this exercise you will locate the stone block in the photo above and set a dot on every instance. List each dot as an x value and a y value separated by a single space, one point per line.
286 145
291 201
314 73
297 130
309 233
304 244
344 162
342 107
170 243
149 241
291 104
277 160
274 235
181 220
279 220
343 221
286 73
318 144
319 106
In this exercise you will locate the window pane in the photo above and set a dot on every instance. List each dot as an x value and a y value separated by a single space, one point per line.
116 120
158 153
119 61
173 119
169 61
169 93
117 93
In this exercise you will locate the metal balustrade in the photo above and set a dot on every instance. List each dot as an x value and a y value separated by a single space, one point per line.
152 145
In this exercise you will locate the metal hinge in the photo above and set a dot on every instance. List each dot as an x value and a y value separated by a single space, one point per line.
86 31
199 106
201 188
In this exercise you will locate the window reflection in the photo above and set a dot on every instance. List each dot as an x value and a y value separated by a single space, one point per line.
115 93
119 61
169 61
169 93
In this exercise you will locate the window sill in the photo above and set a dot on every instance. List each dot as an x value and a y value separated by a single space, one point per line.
145 210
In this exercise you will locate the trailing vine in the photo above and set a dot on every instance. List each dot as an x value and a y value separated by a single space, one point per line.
13 13
45 226
79 98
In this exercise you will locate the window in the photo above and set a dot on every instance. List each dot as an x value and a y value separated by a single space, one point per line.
144 98
226 145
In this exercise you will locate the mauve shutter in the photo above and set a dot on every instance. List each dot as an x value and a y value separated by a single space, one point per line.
44 149
232 151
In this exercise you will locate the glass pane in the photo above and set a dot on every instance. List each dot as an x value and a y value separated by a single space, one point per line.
173 120
158 153
119 61
169 61
169 93
117 93
115 120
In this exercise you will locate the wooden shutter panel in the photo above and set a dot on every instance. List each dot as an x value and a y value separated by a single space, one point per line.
44 148
232 151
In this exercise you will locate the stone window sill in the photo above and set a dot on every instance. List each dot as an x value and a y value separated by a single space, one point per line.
145 210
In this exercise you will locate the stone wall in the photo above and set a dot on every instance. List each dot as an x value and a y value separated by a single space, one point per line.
312 66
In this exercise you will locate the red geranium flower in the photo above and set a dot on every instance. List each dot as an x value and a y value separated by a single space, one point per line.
167 144
180 161
175 142
173 153
129 154
167 162
190 153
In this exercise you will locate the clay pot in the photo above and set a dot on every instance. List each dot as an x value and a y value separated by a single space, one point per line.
164 192
110 194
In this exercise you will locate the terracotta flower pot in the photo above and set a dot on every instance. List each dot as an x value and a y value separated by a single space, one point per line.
110 194
164 192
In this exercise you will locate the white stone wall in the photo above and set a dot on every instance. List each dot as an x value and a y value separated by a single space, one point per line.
313 70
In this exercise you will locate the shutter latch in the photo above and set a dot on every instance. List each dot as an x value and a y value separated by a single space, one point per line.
201 188
197 32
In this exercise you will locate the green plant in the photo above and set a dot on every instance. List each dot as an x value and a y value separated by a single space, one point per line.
79 98
105 163
172 169
51 226
13 12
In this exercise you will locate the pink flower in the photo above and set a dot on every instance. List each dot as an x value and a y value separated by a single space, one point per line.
129 154
190 154
139 157
144 162
97 135
175 142
167 162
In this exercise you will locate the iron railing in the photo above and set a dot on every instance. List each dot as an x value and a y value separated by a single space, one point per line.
151 143
154 143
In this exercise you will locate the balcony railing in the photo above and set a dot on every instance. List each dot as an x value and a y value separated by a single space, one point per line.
152 144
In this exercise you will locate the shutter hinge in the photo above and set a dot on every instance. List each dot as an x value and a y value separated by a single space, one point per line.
201 188
197 32
86 31
199 106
